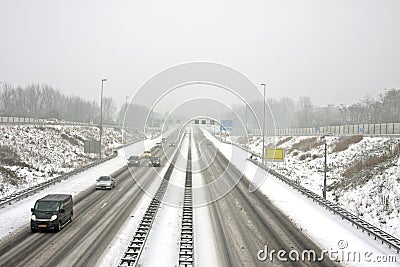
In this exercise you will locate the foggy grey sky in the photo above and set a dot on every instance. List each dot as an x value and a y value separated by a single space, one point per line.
333 51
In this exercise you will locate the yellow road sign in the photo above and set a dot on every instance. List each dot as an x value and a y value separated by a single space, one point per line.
275 154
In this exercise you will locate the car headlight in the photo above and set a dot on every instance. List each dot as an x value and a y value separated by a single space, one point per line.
33 217
54 217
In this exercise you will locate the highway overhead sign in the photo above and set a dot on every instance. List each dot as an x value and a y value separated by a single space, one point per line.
226 125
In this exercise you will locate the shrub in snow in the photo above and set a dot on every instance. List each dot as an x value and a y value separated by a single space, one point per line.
344 142
398 169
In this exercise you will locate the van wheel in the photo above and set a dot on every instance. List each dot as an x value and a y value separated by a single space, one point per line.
58 227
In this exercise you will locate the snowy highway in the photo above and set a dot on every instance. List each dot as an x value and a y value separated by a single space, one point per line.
200 133
232 226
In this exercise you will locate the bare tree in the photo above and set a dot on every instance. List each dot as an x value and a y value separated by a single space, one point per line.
304 107
7 99
109 110
287 111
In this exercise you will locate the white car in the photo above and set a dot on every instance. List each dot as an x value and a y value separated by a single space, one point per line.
105 182
52 121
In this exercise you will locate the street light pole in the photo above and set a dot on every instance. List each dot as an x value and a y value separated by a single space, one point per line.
325 169
246 118
325 165
101 113
263 131
247 132
126 110
220 121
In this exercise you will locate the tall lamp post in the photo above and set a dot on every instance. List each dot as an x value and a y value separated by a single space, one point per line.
324 195
126 110
101 113
247 132
246 116
263 131
220 120
325 166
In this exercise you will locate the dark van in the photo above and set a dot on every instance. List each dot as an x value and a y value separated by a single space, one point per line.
52 212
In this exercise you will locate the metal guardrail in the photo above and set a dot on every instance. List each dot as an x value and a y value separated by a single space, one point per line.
33 189
136 245
186 248
371 230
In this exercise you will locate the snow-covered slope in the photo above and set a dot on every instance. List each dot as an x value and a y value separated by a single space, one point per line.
328 230
30 154
363 172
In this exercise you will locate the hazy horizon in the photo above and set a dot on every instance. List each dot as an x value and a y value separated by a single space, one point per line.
333 52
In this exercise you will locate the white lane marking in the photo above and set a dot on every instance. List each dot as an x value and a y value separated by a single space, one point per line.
120 189
103 205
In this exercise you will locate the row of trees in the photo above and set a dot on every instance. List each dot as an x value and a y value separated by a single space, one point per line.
288 113
43 101
384 109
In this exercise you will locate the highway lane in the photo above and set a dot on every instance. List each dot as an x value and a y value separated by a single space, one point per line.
98 215
245 222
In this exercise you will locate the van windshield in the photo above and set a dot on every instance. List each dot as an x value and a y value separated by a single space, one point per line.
47 205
